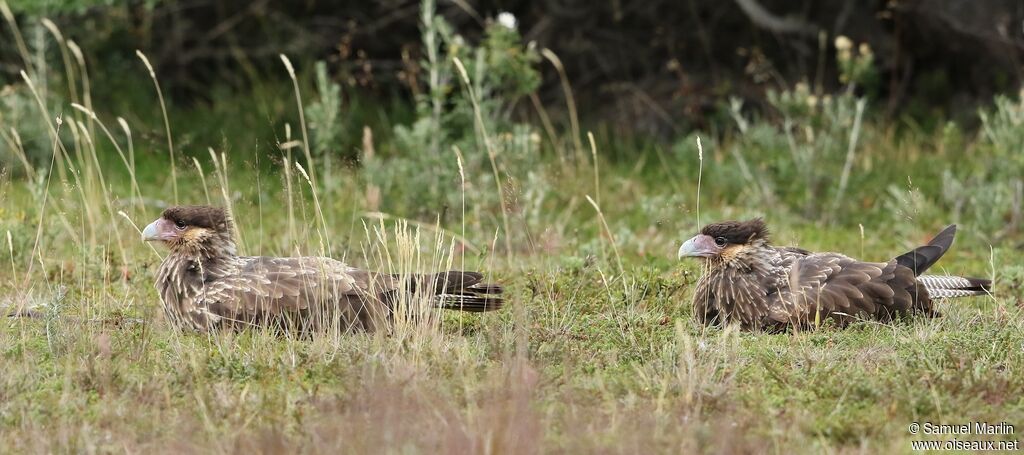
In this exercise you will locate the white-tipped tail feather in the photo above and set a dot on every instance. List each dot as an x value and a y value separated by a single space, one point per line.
946 287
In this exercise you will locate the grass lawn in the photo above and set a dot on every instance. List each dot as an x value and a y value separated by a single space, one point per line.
585 357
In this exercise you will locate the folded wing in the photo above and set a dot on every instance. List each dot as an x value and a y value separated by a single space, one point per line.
831 285
312 292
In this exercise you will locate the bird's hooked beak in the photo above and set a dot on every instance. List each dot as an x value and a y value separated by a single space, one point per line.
160 230
700 246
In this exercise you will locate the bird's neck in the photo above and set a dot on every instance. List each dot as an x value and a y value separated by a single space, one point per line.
736 278
212 257
752 257
748 264
217 248
187 271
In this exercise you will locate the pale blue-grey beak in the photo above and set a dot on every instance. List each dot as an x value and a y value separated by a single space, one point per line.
700 246
159 230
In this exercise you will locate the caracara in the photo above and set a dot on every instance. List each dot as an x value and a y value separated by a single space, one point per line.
749 282
205 285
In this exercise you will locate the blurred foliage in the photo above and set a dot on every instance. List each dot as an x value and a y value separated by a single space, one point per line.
324 114
991 191
657 67
856 65
822 149
471 116
805 160
60 6
27 142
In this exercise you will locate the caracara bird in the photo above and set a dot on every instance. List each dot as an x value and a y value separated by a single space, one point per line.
749 282
205 285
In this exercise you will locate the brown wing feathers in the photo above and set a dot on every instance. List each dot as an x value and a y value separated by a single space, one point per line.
830 285
316 292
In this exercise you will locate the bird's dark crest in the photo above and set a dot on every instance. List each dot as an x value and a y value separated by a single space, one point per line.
738 232
203 216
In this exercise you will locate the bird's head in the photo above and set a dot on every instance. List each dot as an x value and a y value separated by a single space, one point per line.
722 242
192 229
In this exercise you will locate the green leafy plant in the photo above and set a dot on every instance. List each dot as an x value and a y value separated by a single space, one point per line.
988 187
424 172
324 114
856 65
807 160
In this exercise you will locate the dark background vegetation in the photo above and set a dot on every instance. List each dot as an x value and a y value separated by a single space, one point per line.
833 111
661 67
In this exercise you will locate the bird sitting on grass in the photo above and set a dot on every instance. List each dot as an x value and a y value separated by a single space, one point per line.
749 282
205 285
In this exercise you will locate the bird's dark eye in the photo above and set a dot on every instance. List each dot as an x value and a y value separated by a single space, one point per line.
720 241
179 224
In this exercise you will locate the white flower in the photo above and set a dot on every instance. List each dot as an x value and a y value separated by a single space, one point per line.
843 43
507 20
864 49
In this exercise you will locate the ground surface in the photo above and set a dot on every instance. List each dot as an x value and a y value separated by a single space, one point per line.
586 356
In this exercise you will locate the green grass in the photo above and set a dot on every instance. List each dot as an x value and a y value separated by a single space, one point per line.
582 359
596 350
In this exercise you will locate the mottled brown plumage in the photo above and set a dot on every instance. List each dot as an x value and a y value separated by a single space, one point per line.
749 282
204 284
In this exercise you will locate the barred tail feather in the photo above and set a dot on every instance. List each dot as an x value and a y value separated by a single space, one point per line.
946 287
474 303
461 291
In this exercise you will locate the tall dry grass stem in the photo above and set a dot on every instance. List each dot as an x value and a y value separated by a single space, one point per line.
851 150
608 232
489 146
58 37
545 121
202 179
83 71
370 154
570 101
19 40
136 191
26 287
700 175
45 113
221 171
597 171
322 229
10 249
167 122
302 114
15 145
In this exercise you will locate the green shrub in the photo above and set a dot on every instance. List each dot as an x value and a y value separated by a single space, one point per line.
804 163
324 114
988 184
420 172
